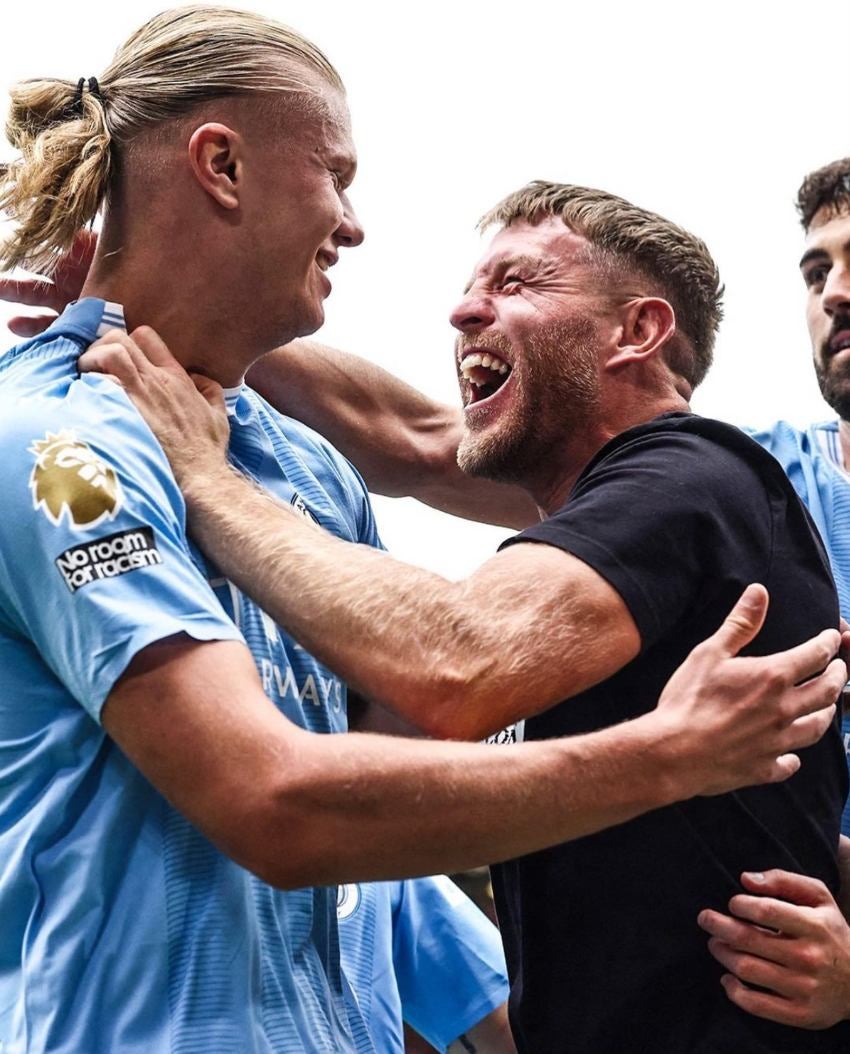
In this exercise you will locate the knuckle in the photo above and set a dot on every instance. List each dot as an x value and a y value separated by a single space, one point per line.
810 960
775 681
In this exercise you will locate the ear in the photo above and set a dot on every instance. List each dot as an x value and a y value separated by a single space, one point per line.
216 155
647 325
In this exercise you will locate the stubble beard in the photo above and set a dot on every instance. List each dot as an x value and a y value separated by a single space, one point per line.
834 380
557 395
835 388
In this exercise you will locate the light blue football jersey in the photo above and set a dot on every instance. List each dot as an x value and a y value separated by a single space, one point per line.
811 460
124 930
422 952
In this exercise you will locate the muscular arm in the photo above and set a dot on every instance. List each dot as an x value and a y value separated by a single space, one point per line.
463 659
403 443
302 809
533 626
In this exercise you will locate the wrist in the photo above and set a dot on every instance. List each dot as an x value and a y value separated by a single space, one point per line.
673 774
209 484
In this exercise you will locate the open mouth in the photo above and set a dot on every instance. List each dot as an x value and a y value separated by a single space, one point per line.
485 373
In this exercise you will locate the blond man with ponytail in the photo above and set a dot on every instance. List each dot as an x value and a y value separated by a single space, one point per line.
171 829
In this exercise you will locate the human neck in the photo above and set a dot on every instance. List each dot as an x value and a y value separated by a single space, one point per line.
551 490
195 310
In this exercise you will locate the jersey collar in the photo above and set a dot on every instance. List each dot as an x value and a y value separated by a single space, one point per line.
90 318
87 319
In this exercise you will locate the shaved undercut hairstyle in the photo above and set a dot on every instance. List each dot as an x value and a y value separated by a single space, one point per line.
826 188
633 243
72 137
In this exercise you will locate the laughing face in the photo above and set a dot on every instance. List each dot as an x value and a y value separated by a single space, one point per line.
300 215
527 354
826 271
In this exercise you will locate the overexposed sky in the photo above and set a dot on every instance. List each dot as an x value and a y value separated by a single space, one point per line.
709 113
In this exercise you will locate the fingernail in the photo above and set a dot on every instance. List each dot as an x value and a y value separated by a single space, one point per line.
754 876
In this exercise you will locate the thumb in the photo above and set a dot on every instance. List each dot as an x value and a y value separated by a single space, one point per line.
786 885
743 622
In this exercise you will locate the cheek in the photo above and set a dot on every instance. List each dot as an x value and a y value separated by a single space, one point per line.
816 320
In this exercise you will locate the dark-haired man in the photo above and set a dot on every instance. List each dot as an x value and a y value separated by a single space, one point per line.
575 377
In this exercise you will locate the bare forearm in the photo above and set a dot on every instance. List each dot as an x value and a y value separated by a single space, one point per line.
366 808
302 809
402 442
399 634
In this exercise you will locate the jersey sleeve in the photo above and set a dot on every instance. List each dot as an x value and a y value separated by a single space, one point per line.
448 959
653 518
94 560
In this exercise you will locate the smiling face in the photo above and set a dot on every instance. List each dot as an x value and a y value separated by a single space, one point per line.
528 352
825 267
299 214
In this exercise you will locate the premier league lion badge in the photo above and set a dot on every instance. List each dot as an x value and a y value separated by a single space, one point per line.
68 477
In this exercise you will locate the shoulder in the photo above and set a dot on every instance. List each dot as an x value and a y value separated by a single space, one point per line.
310 444
685 450
337 477
77 446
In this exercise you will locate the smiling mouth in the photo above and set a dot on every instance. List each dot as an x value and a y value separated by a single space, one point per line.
485 374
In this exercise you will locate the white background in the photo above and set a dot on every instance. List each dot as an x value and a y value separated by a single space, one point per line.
708 113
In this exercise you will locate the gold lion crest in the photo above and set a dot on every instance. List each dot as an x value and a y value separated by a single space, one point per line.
69 476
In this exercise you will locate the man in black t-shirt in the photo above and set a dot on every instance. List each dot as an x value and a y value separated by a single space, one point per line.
582 334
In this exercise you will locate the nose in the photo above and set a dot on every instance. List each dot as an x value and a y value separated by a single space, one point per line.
349 233
473 312
836 291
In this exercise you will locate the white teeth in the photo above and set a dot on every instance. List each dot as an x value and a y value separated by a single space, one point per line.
488 361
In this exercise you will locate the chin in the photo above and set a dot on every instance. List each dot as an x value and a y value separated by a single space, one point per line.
497 456
302 322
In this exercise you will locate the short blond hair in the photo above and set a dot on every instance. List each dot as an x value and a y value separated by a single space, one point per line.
70 135
674 262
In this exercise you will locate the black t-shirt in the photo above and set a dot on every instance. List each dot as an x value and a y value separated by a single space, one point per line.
604 951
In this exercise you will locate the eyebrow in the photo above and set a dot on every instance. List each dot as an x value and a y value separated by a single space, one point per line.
821 254
813 254
345 163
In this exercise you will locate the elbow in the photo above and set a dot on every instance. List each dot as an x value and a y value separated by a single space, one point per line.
453 703
425 456
287 834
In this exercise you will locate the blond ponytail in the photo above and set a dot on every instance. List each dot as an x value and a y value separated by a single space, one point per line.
61 178
70 136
